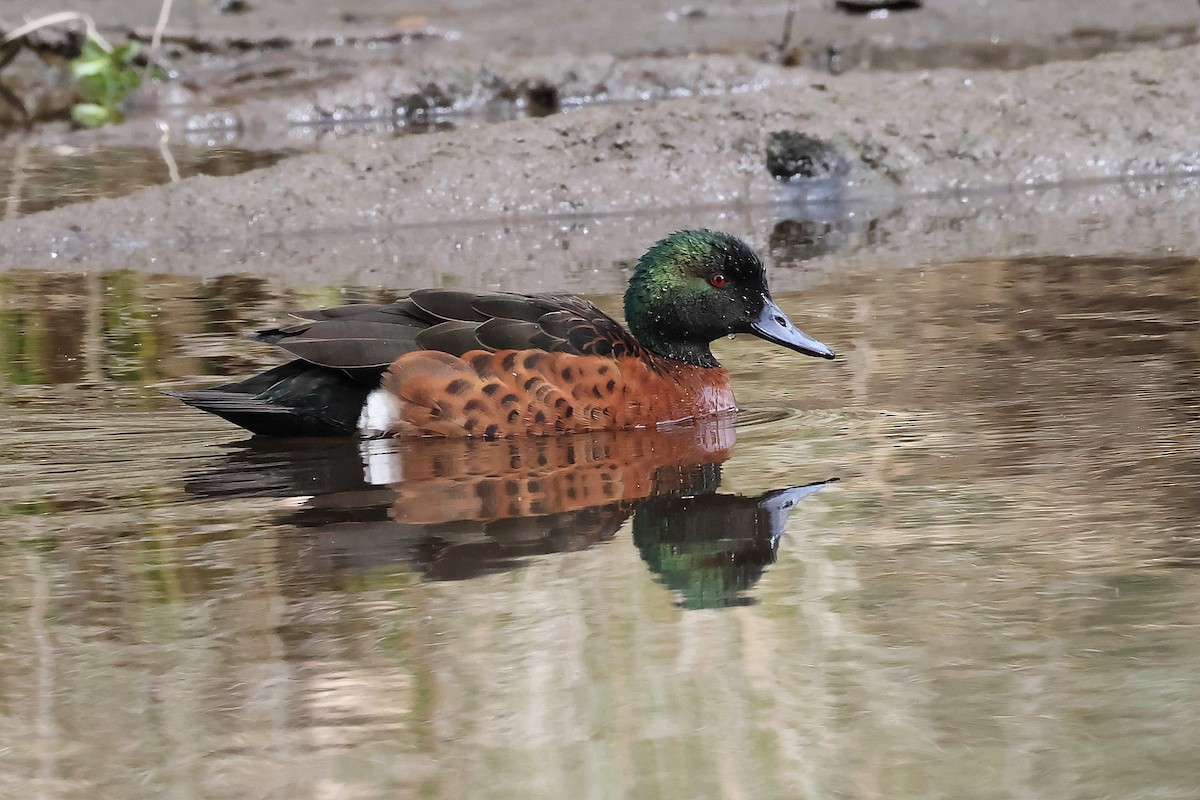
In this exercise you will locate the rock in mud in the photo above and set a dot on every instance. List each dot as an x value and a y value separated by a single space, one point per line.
792 155
869 6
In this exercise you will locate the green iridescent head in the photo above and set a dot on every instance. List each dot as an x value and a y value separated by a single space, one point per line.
696 286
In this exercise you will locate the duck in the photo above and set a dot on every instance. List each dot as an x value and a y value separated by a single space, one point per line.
455 363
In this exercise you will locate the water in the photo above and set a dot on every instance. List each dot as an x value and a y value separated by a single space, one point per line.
39 178
998 598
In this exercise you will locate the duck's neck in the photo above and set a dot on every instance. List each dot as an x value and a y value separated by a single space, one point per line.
693 353
654 309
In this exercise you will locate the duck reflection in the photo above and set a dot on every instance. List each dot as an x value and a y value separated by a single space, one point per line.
711 548
457 508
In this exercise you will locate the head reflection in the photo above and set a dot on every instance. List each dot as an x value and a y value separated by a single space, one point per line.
457 508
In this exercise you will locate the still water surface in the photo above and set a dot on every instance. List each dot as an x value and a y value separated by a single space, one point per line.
998 597
35 179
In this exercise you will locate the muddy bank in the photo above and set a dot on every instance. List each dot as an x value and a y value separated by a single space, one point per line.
913 134
987 30
250 68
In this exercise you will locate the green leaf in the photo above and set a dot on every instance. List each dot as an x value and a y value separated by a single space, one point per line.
91 115
92 50
124 54
84 67
129 80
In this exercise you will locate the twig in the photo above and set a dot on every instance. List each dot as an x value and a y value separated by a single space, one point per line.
57 19
164 13
788 19
165 151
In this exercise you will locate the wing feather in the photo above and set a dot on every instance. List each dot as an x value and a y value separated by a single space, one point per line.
369 336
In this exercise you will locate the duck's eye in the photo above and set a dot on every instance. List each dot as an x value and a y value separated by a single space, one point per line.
718 280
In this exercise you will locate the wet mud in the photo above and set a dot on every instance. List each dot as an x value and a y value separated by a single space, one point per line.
668 107
937 132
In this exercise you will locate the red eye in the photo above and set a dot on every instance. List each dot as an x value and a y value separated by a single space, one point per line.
718 280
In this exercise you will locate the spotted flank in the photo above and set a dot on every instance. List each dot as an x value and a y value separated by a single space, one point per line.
539 393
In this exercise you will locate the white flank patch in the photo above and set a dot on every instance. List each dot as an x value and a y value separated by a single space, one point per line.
379 415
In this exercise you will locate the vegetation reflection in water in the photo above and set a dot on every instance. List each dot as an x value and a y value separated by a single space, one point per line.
1004 578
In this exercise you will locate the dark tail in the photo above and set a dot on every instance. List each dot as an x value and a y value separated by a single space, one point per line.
296 399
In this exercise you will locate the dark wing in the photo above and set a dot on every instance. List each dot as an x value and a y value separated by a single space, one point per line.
372 336
350 337
578 327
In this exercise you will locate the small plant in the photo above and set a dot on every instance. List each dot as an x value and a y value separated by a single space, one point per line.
106 77
106 74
